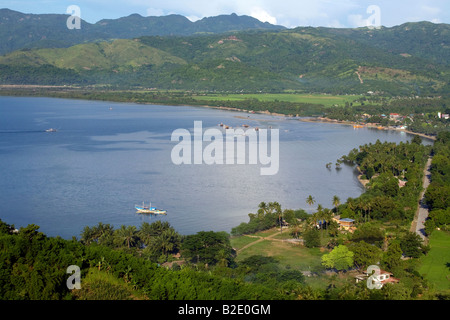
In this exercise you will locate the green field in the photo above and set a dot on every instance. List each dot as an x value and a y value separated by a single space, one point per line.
435 266
324 99
268 243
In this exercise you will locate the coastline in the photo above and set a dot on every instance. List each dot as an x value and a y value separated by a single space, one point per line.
33 88
363 182
373 126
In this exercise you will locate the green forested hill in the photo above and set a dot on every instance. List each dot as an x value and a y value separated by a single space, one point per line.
29 31
339 61
425 40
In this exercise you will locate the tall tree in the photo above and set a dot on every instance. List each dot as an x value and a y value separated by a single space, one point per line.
340 258
127 235
310 200
336 203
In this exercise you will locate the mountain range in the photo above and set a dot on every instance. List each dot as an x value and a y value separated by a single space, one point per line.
19 30
225 53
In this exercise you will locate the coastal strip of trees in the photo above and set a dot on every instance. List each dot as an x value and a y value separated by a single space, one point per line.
437 196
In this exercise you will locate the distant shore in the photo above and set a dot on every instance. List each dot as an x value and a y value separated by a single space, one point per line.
375 126
31 89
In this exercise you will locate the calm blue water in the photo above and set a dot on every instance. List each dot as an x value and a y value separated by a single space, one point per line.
102 162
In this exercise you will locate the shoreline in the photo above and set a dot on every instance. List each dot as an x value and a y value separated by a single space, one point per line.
266 112
372 126
363 182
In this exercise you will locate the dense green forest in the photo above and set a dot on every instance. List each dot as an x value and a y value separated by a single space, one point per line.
437 196
386 165
33 267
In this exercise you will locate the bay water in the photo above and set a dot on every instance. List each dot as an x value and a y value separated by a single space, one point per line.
107 157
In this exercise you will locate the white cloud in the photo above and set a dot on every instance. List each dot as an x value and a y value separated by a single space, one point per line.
193 18
357 20
263 15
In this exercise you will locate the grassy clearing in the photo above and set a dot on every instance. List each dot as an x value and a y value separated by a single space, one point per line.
270 244
239 242
435 266
287 254
326 100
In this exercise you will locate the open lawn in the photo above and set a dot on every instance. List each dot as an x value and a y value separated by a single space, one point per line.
271 244
288 254
326 100
435 266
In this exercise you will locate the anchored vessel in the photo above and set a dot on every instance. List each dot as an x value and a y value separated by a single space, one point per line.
149 210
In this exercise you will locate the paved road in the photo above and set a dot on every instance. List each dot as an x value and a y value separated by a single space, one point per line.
422 212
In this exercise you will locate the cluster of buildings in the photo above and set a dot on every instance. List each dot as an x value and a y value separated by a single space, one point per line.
445 116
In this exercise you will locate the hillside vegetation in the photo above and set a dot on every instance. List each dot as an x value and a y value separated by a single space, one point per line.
337 61
26 31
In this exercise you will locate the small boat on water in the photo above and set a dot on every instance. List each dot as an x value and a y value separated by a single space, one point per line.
51 130
149 210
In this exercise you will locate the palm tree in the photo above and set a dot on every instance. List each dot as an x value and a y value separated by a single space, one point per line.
319 208
336 202
351 204
127 235
318 215
327 216
359 207
87 236
166 242
145 233
158 227
310 200
263 209
103 233
170 240
222 257
324 216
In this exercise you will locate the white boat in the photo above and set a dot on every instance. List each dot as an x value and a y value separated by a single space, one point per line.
149 210
51 130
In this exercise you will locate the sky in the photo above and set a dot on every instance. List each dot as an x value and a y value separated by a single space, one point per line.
289 13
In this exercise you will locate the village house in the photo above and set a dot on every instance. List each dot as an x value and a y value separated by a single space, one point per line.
394 117
345 223
384 277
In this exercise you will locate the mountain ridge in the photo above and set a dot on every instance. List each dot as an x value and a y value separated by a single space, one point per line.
28 31
410 59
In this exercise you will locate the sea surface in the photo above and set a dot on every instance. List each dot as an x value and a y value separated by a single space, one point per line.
107 157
